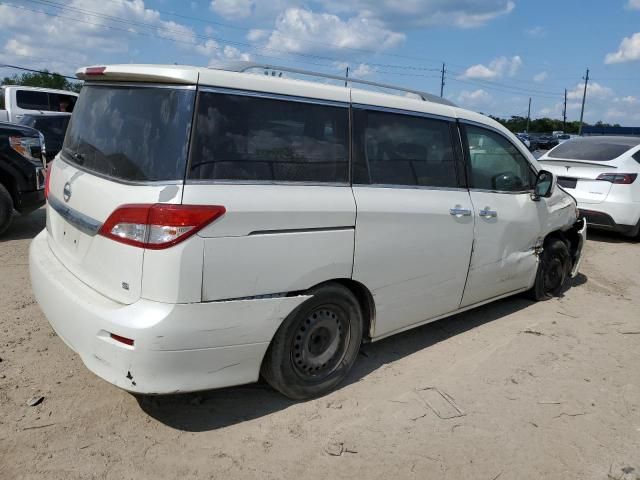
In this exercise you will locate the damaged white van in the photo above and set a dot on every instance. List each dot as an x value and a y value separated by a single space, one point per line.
206 227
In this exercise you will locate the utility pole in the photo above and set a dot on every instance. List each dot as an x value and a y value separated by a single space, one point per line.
529 115
564 112
346 78
584 99
442 80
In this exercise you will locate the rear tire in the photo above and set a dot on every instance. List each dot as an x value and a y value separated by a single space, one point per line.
553 271
316 345
6 209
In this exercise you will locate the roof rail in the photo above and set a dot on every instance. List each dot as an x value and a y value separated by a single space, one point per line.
245 66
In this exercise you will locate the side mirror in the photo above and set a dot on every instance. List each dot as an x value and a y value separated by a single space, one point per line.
544 185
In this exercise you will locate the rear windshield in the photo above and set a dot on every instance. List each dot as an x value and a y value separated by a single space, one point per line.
131 133
589 149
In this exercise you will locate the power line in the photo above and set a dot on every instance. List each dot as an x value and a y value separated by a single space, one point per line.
15 67
161 29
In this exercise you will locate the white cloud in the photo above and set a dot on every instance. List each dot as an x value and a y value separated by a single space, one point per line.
540 77
297 30
72 43
536 32
497 68
628 51
458 13
633 5
594 90
233 9
474 98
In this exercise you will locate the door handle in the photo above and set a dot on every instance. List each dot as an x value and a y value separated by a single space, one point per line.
460 212
488 213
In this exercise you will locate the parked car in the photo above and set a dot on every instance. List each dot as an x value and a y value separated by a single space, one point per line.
546 142
208 226
53 127
602 174
524 138
17 101
21 172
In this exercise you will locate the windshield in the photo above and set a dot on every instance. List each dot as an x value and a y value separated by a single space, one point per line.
131 133
592 149
51 126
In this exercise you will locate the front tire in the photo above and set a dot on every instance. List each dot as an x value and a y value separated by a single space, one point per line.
553 271
316 345
6 209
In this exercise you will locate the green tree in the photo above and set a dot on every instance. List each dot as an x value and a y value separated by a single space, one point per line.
43 79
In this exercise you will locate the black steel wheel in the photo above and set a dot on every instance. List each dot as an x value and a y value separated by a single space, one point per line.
553 270
316 345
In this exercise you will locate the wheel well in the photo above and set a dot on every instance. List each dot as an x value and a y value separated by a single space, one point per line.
569 237
365 299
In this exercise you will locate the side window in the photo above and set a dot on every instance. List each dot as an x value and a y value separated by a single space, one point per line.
247 138
399 149
636 156
62 103
496 164
32 100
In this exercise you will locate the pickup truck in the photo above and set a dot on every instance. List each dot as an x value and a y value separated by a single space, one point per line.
17 101
22 171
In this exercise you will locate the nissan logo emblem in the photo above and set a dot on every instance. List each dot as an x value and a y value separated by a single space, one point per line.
66 192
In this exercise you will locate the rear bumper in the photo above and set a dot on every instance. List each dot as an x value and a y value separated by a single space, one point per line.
603 220
177 347
27 202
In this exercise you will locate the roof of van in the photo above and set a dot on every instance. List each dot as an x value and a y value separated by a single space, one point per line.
223 78
41 89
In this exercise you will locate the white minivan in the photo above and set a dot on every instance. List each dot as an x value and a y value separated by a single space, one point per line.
206 227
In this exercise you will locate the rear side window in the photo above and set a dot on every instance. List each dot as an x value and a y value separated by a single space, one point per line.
32 100
131 133
636 156
495 163
399 149
61 102
590 149
249 138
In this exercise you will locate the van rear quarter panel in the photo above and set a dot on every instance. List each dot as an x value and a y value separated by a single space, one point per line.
274 238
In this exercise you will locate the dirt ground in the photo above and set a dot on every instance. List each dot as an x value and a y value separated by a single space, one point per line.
512 390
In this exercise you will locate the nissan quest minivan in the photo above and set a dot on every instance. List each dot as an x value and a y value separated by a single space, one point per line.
205 227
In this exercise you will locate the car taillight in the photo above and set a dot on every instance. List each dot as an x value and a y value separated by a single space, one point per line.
47 179
158 226
618 178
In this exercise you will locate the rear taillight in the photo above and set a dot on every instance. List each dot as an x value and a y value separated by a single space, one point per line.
159 225
47 179
618 178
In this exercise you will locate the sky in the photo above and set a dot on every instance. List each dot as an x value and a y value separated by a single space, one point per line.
498 53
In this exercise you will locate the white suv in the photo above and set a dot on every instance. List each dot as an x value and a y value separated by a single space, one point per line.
207 226
602 174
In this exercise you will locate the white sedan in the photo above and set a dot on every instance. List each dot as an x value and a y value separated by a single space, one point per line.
602 174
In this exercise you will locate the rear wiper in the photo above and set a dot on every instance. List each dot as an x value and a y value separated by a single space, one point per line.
78 157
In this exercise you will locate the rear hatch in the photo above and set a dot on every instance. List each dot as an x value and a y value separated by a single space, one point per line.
125 144
579 178
579 162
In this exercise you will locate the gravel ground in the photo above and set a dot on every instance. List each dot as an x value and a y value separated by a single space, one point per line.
512 390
